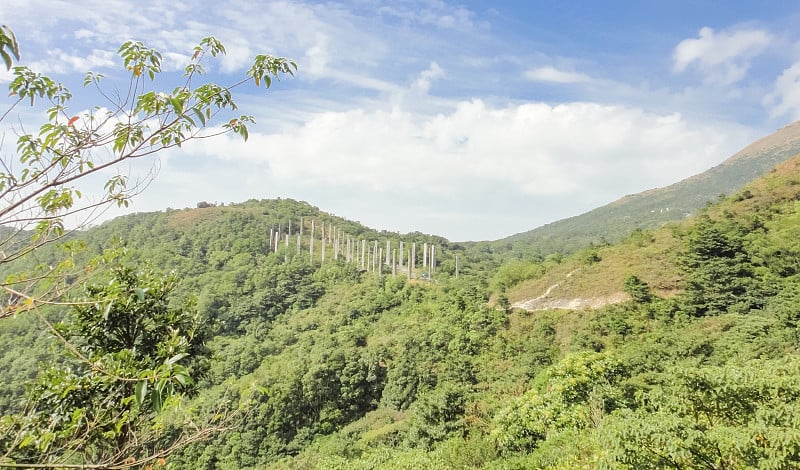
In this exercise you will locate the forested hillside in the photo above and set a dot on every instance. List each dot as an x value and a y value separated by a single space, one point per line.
360 363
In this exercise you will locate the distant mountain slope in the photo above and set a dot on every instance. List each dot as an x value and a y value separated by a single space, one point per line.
655 207
768 206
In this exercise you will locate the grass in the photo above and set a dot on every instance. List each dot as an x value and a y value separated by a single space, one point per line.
651 255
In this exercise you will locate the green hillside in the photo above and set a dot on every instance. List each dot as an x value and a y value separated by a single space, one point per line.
651 209
652 255
336 364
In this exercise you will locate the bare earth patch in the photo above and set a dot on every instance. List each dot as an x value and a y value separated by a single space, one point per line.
551 301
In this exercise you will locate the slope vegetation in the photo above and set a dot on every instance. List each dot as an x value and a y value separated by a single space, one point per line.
331 365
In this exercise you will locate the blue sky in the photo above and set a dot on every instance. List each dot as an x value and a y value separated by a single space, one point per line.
471 120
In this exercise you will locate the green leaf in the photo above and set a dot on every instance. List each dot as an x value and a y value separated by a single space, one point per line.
140 392
175 358
27 441
200 116
157 399
107 310
177 104
6 58
183 379
139 293
8 43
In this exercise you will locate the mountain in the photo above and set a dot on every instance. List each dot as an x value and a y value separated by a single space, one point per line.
595 277
334 366
685 356
652 208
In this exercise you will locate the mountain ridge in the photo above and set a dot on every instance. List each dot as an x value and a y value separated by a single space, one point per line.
654 207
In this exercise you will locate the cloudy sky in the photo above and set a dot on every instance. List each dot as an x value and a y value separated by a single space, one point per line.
472 119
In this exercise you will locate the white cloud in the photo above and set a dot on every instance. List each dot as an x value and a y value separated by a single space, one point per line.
59 61
553 75
327 41
568 157
722 57
433 12
85 34
423 82
785 98
316 35
6 75
360 121
459 18
315 60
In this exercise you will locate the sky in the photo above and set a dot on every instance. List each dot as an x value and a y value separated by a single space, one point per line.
472 120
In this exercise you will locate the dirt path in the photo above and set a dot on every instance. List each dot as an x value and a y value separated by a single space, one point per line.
546 302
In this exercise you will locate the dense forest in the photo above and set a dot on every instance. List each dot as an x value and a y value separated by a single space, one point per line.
269 334
296 362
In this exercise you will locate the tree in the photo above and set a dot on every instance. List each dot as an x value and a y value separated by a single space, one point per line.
134 354
39 183
8 46
578 392
734 416
720 271
637 289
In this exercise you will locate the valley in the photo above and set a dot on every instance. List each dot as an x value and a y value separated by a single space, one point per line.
672 344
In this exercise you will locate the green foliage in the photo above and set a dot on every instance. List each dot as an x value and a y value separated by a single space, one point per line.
785 305
733 416
590 256
39 185
721 275
251 296
381 372
577 392
8 46
24 345
134 355
637 289
513 272
437 414
359 370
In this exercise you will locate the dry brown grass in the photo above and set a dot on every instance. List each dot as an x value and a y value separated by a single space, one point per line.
652 256
184 217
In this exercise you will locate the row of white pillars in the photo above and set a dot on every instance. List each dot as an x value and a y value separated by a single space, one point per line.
329 235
